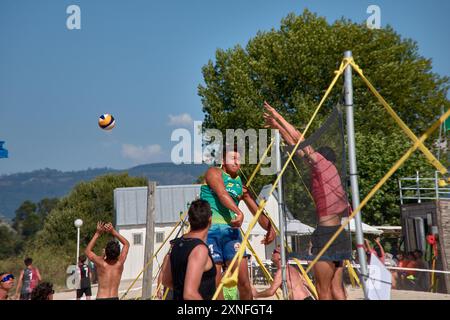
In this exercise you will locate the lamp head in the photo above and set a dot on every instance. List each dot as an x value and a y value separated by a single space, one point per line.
78 223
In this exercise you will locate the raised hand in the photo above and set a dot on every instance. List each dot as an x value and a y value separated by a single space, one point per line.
270 122
100 227
108 227
271 110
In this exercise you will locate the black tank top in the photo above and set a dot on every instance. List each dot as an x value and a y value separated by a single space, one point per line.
182 248
85 281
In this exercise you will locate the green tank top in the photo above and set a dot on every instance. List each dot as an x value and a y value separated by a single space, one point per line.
221 214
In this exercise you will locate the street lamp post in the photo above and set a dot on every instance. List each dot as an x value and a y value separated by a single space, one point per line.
78 223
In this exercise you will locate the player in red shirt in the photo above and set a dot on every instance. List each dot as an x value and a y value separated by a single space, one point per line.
331 204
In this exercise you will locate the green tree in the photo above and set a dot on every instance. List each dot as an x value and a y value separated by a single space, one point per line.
90 201
30 217
9 241
291 67
26 221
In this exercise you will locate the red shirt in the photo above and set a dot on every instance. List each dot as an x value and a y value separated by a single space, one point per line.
327 191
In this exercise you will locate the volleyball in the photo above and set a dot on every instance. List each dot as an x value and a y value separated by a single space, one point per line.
106 121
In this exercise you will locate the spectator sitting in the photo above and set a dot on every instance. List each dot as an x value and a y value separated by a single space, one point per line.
399 275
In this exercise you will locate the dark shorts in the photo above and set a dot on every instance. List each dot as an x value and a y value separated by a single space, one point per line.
113 298
308 298
25 296
87 291
340 249
223 242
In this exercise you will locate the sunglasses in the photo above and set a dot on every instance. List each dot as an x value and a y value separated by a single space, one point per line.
7 278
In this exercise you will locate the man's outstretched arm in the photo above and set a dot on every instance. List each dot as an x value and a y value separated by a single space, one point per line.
263 220
289 133
19 285
271 290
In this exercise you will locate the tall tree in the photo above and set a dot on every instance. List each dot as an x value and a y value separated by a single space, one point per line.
90 201
291 67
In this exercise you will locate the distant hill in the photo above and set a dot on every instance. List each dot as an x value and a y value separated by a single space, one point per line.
49 183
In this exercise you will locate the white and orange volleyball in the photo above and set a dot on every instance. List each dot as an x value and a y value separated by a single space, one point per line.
106 121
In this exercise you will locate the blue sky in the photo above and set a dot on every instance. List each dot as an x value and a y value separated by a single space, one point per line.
141 61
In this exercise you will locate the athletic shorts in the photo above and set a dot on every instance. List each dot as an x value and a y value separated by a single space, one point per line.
113 298
223 242
87 291
339 250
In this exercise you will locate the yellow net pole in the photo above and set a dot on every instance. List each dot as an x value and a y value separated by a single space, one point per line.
252 176
154 295
308 280
165 294
433 275
352 273
431 158
397 165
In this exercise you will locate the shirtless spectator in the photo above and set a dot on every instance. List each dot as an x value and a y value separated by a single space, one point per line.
110 266
297 286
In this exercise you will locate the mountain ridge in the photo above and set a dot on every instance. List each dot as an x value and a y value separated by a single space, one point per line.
48 183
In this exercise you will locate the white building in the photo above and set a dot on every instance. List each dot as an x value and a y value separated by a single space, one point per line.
171 201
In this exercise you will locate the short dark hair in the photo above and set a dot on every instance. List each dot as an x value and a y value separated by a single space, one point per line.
42 291
112 250
82 258
28 261
199 214
419 252
328 153
229 147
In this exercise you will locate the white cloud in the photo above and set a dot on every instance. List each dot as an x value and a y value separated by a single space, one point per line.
183 119
142 154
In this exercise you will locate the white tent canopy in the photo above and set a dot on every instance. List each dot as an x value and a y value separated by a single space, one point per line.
366 228
296 228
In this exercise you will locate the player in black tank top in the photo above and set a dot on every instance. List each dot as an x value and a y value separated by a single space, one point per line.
179 257
190 269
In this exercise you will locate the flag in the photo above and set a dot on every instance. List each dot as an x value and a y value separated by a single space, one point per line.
3 152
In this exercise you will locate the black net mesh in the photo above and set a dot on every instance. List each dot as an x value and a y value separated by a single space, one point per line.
314 188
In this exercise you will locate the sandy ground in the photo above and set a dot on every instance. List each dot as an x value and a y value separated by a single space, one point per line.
357 294
353 293
134 292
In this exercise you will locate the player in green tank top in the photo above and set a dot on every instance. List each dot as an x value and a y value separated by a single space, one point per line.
223 191
220 213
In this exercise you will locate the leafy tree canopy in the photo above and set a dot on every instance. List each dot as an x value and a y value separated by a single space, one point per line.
90 201
291 68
